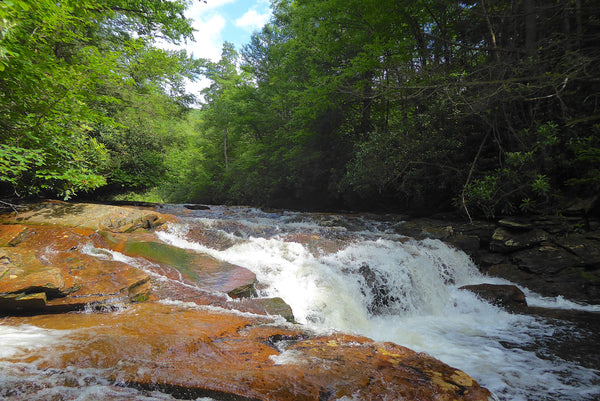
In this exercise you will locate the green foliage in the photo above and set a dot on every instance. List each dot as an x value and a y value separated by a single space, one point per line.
585 163
67 76
402 105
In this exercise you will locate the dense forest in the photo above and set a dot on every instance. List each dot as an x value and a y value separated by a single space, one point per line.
488 107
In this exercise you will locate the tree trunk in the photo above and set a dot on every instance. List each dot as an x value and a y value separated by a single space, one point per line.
494 52
530 27
225 138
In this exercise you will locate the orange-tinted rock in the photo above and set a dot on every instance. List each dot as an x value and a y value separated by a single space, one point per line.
86 215
23 271
191 267
43 259
197 352
316 243
219 240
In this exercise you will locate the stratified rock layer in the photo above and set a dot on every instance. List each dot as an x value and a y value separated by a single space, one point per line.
164 319
193 352
551 255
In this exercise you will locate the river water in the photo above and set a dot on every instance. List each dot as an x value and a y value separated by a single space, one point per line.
356 274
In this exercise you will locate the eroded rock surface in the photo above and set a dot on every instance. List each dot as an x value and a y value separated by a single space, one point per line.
163 318
91 216
193 352
551 255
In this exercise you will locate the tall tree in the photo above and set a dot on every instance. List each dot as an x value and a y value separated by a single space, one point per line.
57 59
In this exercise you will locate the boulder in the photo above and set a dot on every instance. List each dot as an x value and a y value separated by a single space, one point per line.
506 241
507 296
87 215
199 352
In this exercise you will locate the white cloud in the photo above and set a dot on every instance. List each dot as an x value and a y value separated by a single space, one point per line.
208 38
252 20
213 24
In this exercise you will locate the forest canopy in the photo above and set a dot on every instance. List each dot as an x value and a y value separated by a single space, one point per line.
488 107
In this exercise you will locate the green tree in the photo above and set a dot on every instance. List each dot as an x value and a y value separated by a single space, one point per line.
424 104
59 64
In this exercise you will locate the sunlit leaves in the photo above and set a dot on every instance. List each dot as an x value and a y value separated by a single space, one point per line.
65 65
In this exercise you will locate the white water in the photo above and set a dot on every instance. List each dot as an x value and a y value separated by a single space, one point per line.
352 275
421 308
23 381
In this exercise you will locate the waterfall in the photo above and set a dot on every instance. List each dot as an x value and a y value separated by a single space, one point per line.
356 275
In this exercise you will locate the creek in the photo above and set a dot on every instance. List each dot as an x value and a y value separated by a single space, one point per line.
356 274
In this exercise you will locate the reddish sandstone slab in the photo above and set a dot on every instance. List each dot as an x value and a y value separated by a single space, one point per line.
194 352
48 260
187 266
87 215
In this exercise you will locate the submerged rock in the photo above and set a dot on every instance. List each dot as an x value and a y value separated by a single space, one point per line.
193 267
195 352
507 296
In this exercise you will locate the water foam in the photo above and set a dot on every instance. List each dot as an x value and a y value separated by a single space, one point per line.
420 306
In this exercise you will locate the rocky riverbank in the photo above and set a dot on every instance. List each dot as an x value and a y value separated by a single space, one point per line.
162 318
551 255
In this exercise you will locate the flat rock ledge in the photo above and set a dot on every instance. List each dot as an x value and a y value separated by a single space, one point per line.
182 322
195 352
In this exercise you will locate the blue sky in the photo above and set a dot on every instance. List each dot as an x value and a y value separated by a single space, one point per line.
225 20
218 21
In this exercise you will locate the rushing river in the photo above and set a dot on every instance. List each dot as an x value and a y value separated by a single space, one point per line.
355 274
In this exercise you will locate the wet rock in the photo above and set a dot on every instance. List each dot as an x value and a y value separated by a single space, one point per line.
485 259
574 283
194 352
267 306
506 296
201 269
48 260
586 247
317 244
377 290
425 228
87 215
219 240
196 207
469 244
546 259
505 241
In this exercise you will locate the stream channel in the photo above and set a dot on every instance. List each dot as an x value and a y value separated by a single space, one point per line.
354 273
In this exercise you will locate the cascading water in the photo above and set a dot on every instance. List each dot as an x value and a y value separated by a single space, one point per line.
349 274
356 275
